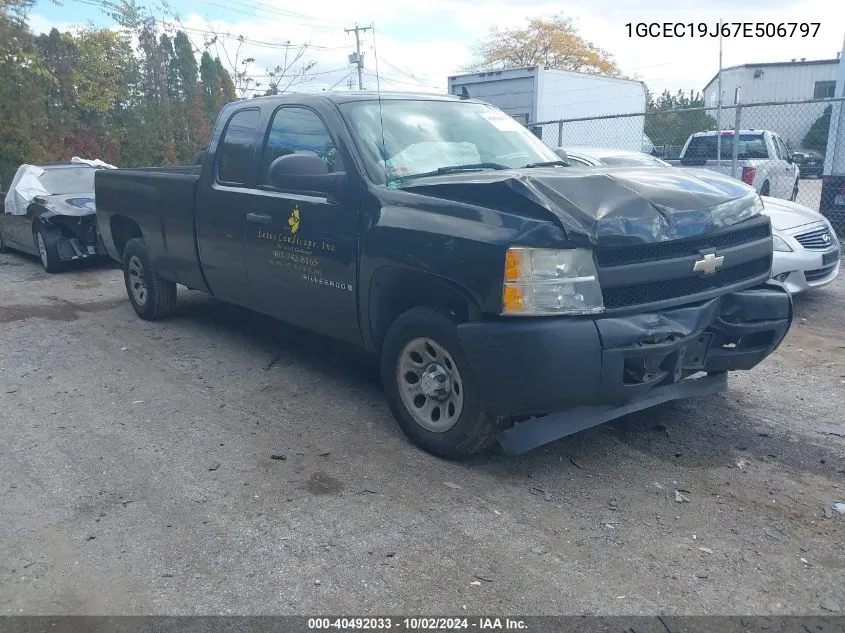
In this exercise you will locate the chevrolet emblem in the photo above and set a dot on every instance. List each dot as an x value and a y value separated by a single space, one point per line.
708 264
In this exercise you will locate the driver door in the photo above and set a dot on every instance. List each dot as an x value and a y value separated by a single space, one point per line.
302 248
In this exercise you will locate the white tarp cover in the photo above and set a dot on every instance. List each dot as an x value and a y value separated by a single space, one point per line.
93 163
25 186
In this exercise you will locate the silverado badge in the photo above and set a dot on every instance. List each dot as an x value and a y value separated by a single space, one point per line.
708 264
293 220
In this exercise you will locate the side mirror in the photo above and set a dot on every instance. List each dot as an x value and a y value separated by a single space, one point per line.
305 173
561 153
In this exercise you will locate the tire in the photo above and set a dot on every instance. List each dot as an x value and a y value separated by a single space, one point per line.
3 247
794 192
764 190
152 296
46 245
457 432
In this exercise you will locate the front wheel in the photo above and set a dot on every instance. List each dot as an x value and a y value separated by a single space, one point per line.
48 250
152 296
430 387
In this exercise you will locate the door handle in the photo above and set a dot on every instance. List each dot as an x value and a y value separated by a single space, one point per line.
258 218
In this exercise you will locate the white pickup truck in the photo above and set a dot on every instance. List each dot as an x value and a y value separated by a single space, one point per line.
763 160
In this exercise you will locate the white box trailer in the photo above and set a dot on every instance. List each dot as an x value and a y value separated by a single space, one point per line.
537 95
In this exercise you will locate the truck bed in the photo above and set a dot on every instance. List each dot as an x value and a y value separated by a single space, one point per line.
162 201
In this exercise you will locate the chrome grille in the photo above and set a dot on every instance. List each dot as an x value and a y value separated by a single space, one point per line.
817 240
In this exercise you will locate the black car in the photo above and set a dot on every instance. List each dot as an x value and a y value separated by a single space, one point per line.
810 163
50 212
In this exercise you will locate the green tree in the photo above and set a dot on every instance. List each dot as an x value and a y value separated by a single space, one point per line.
817 135
16 10
92 93
24 84
185 65
667 123
225 86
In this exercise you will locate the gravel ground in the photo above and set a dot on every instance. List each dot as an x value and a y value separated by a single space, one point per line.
221 462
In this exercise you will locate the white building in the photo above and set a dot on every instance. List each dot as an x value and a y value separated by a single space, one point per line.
796 80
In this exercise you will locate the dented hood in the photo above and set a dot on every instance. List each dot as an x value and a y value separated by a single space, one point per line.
605 205
73 205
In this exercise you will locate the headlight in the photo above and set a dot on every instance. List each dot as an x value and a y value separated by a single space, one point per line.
542 281
780 245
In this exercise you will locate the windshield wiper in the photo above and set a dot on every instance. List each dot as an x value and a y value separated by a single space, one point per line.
548 163
452 169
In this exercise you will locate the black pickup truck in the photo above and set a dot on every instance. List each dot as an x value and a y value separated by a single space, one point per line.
509 297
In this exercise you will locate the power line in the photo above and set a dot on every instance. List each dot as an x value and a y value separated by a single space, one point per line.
348 75
306 74
399 82
255 5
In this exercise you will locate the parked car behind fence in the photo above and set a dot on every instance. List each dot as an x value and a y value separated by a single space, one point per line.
669 130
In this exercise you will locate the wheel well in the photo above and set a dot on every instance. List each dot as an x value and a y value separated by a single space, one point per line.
53 227
122 230
394 291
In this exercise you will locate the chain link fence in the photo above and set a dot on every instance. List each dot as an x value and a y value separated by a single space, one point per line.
802 125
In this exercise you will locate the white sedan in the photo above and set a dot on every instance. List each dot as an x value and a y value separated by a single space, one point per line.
807 252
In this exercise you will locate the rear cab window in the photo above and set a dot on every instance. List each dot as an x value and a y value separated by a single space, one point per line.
750 146
237 148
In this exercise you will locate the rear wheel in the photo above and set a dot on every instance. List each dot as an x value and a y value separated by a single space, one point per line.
764 190
152 296
46 242
430 387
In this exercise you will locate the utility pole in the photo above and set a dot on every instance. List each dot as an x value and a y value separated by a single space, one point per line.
357 59
719 106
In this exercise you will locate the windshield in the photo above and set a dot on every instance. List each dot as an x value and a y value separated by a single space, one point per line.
58 180
634 160
704 147
423 136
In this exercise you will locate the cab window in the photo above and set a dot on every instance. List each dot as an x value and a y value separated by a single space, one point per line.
235 152
297 130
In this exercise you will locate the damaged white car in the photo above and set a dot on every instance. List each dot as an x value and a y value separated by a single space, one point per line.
49 212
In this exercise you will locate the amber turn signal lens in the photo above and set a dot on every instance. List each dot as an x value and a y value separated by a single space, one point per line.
513 265
513 300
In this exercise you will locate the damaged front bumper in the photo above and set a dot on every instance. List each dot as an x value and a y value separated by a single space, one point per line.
71 248
77 237
566 374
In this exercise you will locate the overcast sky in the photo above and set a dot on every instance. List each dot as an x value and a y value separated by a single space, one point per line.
420 43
